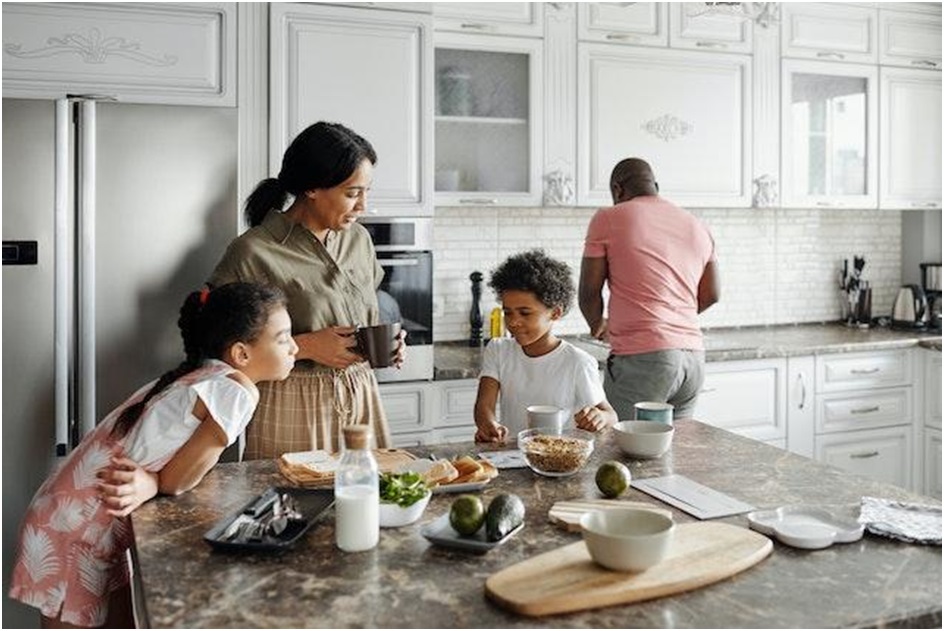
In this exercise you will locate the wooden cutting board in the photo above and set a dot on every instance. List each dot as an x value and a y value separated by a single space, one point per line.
566 514
567 580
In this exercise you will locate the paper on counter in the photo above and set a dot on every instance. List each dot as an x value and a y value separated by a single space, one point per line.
510 459
695 499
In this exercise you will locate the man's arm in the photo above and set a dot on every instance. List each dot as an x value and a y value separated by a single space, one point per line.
709 287
593 273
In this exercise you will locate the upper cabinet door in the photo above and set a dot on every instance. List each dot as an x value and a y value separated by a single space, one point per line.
829 32
368 70
489 113
910 131
829 134
687 113
643 23
179 53
909 39
494 18
695 26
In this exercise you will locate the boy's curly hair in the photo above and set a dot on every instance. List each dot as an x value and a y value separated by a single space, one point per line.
534 271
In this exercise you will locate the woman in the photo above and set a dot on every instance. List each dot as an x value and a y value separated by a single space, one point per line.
325 264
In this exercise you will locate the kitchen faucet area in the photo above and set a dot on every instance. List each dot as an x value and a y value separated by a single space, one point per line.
657 288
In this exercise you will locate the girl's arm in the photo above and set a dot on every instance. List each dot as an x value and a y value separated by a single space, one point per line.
196 457
487 428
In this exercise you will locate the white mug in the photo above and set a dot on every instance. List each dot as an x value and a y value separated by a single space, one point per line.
546 417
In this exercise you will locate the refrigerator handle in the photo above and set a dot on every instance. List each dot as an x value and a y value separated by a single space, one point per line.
85 344
63 272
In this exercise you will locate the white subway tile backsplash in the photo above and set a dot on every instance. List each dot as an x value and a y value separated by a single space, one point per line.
777 266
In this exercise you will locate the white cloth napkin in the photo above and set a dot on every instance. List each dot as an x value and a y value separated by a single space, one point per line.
905 521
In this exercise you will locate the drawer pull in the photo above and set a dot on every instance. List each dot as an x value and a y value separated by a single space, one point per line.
925 62
864 454
874 408
474 27
706 390
828 54
711 45
864 371
478 200
621 36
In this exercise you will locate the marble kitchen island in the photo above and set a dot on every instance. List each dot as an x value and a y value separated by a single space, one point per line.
408 582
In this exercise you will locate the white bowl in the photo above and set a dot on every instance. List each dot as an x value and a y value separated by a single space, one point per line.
644 439
394 515
627 539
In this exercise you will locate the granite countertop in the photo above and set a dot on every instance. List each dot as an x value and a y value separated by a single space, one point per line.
408 582
456 360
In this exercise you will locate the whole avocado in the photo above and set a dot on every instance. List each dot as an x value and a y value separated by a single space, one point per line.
504 514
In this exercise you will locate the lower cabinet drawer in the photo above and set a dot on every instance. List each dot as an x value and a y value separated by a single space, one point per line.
457 403
406 407
864 409
853 371
880 454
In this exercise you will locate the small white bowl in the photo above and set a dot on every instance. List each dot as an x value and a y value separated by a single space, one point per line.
627 539
394 515
644 439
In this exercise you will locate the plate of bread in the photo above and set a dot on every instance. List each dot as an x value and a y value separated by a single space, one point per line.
453 476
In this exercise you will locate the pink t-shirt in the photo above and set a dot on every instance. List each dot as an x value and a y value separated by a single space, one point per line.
656 254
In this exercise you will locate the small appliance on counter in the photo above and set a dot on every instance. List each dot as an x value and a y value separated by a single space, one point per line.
931 283
910 310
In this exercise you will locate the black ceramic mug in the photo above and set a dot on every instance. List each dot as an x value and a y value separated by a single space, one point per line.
378 344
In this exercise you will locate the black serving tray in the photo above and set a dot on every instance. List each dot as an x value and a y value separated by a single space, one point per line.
311 503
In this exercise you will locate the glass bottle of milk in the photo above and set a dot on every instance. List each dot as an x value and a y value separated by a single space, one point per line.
356 493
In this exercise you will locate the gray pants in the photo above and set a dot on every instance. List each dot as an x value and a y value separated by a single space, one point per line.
672 376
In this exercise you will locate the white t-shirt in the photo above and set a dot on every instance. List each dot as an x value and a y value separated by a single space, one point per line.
566 377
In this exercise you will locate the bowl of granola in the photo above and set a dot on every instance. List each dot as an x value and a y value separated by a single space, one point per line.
556 453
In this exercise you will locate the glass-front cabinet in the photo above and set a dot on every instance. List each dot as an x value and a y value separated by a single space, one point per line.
488 122
829 142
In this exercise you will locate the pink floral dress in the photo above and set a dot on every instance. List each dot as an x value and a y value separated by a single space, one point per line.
72 554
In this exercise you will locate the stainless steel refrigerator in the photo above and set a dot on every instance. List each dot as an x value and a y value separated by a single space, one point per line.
129 208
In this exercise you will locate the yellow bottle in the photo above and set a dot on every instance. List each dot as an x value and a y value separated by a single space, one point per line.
496 324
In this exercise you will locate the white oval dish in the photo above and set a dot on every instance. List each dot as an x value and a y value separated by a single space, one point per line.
807 527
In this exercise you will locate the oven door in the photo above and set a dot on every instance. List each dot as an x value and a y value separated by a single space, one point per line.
406 295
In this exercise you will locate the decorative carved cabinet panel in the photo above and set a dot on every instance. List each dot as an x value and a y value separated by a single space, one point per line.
687 113
137 53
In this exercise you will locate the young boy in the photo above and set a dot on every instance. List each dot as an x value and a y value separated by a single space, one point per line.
535 367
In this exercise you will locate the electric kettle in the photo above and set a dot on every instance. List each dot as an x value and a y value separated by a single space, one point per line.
911 308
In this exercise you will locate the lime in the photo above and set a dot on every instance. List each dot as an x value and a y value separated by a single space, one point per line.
467 514
613 478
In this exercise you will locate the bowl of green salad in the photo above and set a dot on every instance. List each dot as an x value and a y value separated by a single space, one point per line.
403 498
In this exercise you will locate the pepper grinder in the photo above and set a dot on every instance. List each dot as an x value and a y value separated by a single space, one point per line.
475 314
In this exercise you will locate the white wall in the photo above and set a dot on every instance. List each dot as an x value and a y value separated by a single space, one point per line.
777 266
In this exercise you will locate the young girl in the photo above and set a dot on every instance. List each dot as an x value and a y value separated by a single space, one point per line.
72 564
536 368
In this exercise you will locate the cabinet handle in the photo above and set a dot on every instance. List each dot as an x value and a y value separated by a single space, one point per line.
710 45
925 204
864 371
828 54
478 200
869 410
864 454
802 391
706 390
621 36
824 204
474 26
925 62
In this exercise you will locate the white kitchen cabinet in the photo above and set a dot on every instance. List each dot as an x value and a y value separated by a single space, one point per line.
801 405
489 120
857 371
909 39
693 124
932 389
637 23
455 421
881 454
694 25
910 164
494 18
369 70
932 463
829 134
829 31
410 409
746 397
180 53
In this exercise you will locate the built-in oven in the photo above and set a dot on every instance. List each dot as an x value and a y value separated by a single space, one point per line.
404 249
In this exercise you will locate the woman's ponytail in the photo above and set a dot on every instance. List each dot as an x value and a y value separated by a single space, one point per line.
269 194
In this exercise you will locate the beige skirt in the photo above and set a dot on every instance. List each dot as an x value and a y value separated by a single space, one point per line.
308 410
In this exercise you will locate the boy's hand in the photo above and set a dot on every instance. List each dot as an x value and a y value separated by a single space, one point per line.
125 486
490 432
591 419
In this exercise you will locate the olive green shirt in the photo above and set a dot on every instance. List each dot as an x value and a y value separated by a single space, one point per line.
326 284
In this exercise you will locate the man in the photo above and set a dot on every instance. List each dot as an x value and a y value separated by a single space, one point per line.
659 262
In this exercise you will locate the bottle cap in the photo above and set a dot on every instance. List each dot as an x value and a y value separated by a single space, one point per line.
356 436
